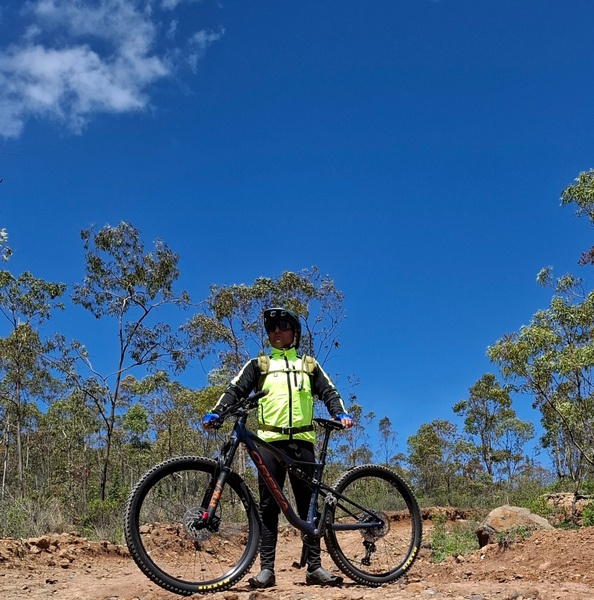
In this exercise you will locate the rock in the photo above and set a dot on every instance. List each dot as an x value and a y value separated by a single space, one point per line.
43 543
567 505
506 518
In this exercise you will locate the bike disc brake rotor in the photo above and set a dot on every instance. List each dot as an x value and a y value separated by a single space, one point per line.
195 525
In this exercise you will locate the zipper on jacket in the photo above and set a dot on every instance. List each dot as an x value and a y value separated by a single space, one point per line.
290 394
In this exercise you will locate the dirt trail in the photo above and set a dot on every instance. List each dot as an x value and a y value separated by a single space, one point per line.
550 565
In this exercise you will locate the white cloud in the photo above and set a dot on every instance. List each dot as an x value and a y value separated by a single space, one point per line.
82 57
171 4
199 42
204 38
172 29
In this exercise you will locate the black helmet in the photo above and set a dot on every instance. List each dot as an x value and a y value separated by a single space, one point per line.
273 315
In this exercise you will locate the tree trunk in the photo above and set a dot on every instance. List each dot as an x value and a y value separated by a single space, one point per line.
6 453
19 425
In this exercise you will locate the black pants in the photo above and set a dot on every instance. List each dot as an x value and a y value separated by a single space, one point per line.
269 509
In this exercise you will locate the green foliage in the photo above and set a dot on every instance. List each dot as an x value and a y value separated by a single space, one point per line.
440 461
499 434
581 193
135 420
231 325
552 361
127 284
27 299
26 361
514 534
15 521
453 539
587 487
387 443
103 520
30 517
588 515
538 505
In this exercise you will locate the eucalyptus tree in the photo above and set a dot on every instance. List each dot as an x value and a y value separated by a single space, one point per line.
352 448
552 360
387 442
229 325
581 193
490 418
128 286
173 414
438 457
26 303
70 426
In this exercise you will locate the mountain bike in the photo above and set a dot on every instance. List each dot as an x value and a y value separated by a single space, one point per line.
192 524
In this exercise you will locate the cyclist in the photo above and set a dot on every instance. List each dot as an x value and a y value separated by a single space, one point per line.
285 420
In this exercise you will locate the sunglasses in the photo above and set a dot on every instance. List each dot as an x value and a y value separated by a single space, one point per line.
281 324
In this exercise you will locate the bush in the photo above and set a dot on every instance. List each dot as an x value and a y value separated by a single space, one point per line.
458 538
28 517
588 515
103 520
539 506
515 534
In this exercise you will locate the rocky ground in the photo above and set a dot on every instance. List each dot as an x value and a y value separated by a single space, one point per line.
550 565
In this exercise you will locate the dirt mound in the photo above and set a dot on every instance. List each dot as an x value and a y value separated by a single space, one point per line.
549 565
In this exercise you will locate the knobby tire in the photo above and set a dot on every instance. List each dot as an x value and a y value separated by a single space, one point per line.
381 554
169 542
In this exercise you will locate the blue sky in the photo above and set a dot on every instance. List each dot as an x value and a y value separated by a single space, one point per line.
414 150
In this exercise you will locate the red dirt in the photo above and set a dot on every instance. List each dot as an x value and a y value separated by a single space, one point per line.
550 565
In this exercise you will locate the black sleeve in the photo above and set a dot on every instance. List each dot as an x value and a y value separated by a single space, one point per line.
322 387
242 385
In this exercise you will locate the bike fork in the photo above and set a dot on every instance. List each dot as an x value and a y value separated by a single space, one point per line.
211 500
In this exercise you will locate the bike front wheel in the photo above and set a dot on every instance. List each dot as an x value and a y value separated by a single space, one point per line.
171 542
373 533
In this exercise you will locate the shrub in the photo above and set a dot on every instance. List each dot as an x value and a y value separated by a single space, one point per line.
28 517
453 540
103 520
515 534
588 515
539 506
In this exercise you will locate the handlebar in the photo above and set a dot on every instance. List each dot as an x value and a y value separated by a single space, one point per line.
245 403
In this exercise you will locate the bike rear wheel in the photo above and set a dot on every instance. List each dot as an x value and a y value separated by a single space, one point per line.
373 534
169 539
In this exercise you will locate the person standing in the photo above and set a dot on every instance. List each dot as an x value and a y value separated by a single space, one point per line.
285 420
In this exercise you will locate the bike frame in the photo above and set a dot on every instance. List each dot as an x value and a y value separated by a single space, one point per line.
242 435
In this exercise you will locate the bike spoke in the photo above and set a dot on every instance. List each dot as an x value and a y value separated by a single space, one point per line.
173 539
386 535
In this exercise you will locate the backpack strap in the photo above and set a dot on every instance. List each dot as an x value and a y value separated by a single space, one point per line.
309 364
263 363
264 366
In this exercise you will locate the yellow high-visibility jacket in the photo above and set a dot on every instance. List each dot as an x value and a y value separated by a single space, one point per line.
286 412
